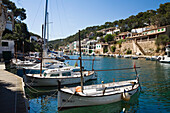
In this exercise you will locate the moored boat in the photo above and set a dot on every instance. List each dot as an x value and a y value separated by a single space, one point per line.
127 56
50 77
97 94
166 58
134 57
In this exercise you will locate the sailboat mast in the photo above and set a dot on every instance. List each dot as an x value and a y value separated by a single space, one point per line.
47 27
41 52
45 23
80 63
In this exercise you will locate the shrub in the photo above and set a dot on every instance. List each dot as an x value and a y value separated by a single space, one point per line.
113 48
129 51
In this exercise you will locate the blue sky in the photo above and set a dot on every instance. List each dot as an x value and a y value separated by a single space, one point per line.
66 17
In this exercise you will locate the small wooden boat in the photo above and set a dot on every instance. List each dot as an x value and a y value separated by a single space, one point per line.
148 58
154 58
134 57
118 56
127 56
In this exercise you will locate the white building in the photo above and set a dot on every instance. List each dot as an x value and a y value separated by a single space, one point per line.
140 30
7 49
91 46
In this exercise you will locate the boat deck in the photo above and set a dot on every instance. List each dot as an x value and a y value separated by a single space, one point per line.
12 96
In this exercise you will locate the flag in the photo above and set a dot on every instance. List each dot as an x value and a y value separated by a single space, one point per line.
134 65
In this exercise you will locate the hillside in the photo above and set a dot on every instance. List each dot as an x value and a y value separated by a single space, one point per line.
159 17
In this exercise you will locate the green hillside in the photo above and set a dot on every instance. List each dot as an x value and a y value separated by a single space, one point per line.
159 17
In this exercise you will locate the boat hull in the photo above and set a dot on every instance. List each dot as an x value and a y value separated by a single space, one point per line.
33 81
74 100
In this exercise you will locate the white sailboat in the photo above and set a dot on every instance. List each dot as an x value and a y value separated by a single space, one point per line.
96 94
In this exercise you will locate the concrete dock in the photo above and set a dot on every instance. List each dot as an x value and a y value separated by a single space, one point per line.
12 95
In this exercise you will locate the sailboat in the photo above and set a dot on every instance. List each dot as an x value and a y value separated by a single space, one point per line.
49 77
96 94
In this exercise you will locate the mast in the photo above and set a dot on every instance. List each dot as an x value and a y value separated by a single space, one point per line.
80 63
41 52
47 27
45 23
23 51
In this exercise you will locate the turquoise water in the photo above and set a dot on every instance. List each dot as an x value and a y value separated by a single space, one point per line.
154 79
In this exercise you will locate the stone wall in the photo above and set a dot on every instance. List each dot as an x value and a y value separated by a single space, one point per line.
149 47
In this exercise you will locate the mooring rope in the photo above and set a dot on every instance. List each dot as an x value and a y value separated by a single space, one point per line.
38 91
66 102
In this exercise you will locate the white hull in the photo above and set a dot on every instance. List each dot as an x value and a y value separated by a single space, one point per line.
36 81
69 100
164 59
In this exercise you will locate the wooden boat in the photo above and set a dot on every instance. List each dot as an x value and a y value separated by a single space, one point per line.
50 77
20 64
127 56
97 94
134 57
118 56
154 58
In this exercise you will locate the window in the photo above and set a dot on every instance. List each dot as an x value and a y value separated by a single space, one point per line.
54 75
67 74
5 44
76 70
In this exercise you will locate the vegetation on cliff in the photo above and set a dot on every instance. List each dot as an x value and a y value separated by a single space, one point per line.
20 32
159 17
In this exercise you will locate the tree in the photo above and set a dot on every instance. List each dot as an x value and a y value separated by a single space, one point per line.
109 37
19 13
113 48
99 34
162 40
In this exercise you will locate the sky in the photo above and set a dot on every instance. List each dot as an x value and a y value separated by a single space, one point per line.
66 17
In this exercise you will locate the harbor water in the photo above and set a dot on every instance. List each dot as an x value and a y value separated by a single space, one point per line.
154 96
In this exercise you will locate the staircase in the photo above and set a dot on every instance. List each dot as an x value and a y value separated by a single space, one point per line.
138 48
109 49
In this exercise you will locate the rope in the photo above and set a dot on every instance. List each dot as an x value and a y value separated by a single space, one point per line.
38 91
66 102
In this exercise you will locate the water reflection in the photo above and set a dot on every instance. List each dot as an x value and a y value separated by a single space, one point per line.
118 107
154 78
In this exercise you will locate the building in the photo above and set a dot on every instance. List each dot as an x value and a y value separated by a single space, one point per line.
84 45
123 35
150 34
91 46
110 30
100 47
3 19
7 49
140 30
6 21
